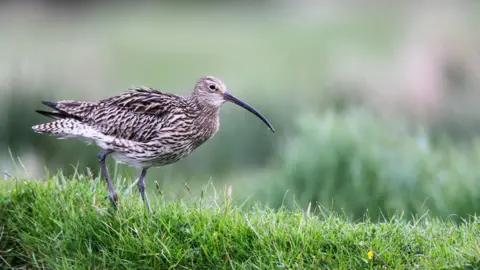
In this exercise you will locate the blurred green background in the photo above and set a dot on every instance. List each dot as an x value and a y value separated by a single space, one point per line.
375 106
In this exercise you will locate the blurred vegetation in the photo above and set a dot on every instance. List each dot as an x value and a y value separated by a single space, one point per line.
355 162
373 110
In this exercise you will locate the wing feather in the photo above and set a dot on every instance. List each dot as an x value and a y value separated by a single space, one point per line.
137 115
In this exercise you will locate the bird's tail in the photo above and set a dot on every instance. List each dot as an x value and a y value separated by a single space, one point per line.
61 128
67 116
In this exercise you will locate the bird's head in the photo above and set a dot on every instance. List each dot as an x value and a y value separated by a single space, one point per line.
212 92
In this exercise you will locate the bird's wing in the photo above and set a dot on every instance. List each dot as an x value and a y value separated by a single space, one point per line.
69 109
142 100
137 115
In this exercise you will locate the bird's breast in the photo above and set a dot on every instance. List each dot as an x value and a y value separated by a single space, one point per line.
204 129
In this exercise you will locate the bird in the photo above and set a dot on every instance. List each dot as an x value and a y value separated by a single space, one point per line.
143 127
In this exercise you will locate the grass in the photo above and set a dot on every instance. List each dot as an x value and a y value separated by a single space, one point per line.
355 161
63 223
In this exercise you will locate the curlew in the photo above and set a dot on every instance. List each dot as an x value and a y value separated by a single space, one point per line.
143 127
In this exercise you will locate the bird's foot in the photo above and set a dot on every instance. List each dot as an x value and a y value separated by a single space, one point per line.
113 197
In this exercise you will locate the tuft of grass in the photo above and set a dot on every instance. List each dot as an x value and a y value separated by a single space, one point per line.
64 224
356 161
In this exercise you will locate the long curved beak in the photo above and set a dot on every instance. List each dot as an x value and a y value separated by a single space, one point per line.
240 103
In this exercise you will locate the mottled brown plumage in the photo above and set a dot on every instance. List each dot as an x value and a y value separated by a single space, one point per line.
143 127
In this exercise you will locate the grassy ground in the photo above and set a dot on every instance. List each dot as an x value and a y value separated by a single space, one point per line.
60 224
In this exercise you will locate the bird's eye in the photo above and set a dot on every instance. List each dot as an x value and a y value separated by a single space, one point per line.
212 87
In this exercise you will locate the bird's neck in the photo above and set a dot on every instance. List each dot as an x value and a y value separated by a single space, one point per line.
201 107
207 120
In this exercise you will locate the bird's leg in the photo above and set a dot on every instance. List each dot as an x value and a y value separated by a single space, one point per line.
141 188
102 155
